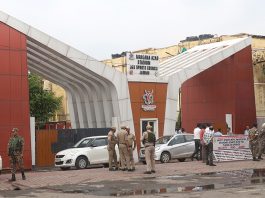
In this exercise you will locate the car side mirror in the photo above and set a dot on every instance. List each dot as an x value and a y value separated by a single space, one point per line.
93 145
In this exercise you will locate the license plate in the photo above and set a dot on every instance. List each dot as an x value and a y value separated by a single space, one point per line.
57 160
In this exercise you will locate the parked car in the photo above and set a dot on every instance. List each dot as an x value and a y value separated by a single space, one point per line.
89 150
179 146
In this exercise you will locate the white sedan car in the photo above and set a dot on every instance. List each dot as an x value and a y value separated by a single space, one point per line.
89 150
179 146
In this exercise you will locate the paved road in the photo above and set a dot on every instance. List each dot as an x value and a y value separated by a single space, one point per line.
187 179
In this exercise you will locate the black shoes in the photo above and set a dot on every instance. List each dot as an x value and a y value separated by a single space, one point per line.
147 172
254 159
13 178
260 158
23 176
212 164
153 171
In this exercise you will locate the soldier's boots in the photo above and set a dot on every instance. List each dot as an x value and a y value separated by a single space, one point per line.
255 159
260 158
23 175
13 178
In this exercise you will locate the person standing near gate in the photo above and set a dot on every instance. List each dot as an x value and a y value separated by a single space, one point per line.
261 139
123 148
196 133
148 139
208 140
112 141
253 141
15 153
132 146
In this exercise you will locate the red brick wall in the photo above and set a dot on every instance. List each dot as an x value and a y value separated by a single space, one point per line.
224 88
14 94
136 94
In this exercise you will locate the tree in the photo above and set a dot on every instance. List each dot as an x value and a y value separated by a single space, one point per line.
43 103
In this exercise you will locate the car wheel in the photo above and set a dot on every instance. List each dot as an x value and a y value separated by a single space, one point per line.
181 160
65 168
81 162
165 157
106 165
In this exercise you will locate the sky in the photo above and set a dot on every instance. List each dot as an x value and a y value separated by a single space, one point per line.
100 28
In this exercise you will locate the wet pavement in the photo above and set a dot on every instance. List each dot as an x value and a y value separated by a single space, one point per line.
169 184
170 180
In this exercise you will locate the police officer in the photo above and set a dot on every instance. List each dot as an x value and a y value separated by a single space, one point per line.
253 141
132 146
112 141
15 153
261 139
148 139
123 148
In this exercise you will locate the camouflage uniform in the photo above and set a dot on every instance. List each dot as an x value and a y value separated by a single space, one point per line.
261 139
253 142
15 149
112 141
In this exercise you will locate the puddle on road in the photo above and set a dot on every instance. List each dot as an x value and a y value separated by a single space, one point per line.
163 190
251 176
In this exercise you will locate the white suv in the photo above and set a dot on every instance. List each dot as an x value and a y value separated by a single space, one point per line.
89 150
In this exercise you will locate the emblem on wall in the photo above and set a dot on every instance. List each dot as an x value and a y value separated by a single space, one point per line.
148 101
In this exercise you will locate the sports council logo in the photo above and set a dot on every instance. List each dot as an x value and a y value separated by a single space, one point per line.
148 101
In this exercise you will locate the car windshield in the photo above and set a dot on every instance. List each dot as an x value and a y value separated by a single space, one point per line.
83 143
163 139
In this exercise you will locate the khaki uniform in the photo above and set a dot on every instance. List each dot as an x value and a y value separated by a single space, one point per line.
15 149
123 149
112 141
131 140
149 152
253 141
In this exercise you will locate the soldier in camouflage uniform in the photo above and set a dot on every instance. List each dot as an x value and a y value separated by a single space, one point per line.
261 139
253 141
15 153
112 141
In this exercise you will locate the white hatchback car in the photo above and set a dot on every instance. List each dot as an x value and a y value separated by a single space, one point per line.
89 150
179 146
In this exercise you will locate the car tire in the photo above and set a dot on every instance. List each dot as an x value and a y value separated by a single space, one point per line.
81 162
181 159
106 165
65 168
165 157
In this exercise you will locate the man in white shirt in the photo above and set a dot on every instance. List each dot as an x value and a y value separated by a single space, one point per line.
246 132
196 133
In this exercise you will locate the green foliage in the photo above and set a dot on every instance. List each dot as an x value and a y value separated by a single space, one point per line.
43 104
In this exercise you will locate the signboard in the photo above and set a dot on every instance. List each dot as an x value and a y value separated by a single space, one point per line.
142 64
229 148
230 142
